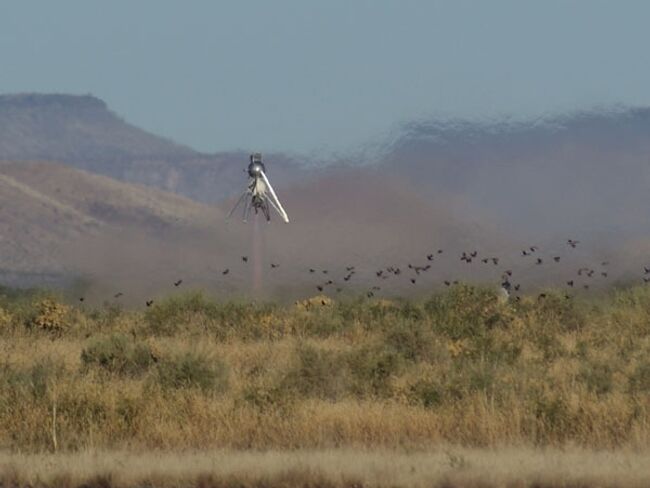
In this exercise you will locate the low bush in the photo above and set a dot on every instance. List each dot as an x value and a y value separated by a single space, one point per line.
119 354
317 373
192 370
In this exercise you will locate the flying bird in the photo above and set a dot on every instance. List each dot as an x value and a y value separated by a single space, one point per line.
178 283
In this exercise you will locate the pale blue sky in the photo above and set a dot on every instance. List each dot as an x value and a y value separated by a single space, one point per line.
303 76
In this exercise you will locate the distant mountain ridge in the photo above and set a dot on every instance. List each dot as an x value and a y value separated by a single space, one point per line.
82 132
80 196
585 172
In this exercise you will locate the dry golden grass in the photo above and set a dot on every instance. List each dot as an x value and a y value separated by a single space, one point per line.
458 368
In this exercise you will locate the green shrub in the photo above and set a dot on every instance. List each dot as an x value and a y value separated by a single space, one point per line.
639 381
170 316
265 399
33 382
597 377
322 322
316 373
412 340
192 370
195 313
371 369
118 354
554 418
427 393
466 312
555 313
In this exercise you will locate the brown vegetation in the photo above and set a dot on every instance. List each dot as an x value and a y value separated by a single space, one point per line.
458 367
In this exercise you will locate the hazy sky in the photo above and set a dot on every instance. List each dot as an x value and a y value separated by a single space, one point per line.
306 76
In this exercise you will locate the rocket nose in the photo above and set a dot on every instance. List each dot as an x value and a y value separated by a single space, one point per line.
254 169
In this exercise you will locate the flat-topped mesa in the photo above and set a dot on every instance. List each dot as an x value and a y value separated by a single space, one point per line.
40 100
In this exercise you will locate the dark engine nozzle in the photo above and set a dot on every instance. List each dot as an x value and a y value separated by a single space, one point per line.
256 166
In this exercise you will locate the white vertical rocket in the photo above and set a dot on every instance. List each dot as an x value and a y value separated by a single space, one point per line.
259 194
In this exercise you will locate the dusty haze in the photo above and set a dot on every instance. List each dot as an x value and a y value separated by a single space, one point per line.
98 208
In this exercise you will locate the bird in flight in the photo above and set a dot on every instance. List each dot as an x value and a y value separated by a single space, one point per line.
178 283
244 258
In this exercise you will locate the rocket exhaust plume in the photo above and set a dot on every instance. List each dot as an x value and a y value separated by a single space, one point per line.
257 255
258 199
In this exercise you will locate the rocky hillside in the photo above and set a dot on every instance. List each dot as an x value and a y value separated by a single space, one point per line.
82 132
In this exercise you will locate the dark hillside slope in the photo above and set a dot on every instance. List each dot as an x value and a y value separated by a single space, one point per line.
81 131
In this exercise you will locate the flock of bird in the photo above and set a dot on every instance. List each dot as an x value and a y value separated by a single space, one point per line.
510 287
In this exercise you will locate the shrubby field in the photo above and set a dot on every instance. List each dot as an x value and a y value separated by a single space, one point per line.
459 368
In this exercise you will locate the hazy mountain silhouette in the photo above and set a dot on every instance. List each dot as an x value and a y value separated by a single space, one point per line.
462 186
82 132
579 173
